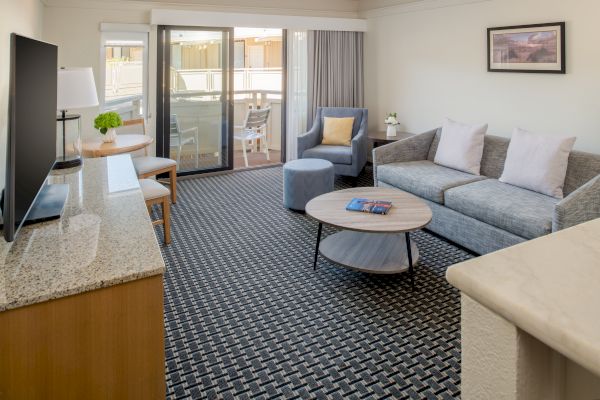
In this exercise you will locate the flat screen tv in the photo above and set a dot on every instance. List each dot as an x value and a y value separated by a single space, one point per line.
31 145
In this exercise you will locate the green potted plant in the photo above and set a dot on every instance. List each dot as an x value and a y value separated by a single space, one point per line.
106 124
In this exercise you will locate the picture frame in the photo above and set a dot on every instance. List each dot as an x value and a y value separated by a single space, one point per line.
537 48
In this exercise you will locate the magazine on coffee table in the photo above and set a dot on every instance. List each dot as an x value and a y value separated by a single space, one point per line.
369 206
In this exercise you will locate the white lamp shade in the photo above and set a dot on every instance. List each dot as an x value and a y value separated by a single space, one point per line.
76 88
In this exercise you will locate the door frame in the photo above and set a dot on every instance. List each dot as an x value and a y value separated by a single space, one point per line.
163 90
284 93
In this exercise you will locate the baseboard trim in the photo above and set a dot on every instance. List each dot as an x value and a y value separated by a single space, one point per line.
228 171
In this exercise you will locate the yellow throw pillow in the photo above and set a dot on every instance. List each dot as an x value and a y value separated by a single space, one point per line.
337 131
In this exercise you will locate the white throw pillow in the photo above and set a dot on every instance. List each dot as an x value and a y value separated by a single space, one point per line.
461 146
537 162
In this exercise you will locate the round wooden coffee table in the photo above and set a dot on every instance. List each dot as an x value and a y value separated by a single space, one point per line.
377 244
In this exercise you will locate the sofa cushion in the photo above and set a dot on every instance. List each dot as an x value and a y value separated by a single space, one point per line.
343 112
335 154
147 164
519 211
461 146
537 162
423 178
494 154
337 131
152 189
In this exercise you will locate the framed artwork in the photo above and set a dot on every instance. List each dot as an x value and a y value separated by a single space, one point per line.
527 48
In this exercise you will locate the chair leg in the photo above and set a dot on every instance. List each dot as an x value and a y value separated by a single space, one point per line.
197 152
244 152
166 211
173 183
267 149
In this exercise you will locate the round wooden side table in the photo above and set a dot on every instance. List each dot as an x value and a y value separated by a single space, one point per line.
122 144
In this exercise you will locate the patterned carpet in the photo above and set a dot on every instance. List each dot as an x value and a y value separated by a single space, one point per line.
247 318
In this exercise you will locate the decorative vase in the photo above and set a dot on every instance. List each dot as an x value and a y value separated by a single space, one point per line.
109 136
391 130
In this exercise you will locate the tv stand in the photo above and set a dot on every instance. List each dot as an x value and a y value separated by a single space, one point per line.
49 203
81 298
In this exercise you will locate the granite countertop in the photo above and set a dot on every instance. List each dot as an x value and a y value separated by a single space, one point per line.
548 287
104 238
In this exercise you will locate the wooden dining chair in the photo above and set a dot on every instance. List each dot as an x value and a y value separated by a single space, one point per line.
156 193
147 166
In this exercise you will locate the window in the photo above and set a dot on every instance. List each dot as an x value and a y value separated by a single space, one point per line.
239 51
124 63
256 56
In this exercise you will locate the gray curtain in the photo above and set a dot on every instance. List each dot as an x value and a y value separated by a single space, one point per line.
335 70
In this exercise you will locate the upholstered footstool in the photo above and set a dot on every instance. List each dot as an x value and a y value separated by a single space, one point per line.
305 179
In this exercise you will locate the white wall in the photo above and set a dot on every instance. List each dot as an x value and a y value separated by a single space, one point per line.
76 31
23 17
430 64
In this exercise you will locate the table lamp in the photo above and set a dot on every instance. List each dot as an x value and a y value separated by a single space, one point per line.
76 89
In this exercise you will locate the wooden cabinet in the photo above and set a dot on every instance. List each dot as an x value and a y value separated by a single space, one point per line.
102 344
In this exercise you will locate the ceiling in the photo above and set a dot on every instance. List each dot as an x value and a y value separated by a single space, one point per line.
366 5
349 5
346 8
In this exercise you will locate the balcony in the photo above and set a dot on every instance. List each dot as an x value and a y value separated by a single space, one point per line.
196 101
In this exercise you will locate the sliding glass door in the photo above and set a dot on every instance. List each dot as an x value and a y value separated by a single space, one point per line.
194 124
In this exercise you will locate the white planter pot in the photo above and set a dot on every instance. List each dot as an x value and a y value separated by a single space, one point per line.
109 136
391 130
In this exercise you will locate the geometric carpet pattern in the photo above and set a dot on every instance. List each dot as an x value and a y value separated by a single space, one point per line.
246 317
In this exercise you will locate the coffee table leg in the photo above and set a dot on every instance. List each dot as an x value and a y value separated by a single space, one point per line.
317 247
410 261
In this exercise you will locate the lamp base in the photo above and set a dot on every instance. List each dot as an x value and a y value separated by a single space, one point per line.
68 162
69 158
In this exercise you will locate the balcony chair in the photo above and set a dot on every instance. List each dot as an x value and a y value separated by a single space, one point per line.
347 160
254 128
180 138
147 166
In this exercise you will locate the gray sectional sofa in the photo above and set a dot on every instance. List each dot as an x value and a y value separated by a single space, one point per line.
480 212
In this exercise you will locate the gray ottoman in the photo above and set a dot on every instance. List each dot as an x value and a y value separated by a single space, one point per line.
305 179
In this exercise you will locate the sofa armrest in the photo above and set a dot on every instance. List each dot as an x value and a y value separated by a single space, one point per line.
360 147
415 148
309 139
357 141
580 206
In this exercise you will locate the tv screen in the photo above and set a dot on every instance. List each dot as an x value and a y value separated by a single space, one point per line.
31 147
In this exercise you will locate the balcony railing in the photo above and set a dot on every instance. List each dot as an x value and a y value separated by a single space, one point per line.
124 85
123 79
210 80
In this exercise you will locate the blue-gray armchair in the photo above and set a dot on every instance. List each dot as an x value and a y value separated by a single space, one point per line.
347 160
